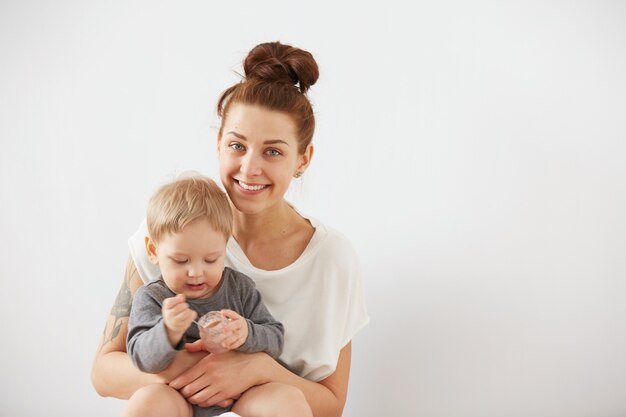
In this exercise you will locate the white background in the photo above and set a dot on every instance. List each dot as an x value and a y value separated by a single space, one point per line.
475 154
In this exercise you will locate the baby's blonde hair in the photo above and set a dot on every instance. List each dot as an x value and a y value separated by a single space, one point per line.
184 200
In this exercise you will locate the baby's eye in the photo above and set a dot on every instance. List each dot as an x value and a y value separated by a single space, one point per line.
210 261
273 152
179 261
236 146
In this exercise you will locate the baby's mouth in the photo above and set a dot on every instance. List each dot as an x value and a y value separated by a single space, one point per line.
195 287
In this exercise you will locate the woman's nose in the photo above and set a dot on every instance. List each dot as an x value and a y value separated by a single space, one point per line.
250 165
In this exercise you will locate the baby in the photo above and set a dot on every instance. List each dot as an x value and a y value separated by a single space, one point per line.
189 224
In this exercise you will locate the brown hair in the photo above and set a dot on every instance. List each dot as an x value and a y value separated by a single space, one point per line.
277 77
182 201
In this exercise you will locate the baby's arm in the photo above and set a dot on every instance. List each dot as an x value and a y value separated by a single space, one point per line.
148 343
177 317
265 333
264 336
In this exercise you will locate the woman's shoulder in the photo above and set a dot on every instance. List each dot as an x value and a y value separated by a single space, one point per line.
332 245
136 245
330 236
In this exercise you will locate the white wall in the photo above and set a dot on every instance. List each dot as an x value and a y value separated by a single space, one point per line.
474 153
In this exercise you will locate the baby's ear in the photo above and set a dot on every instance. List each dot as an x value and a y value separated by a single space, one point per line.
151 250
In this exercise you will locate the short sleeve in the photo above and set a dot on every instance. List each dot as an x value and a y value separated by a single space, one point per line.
136 244
356 313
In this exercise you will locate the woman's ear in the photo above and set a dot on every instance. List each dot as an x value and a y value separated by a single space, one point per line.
305 159
218 143
151 250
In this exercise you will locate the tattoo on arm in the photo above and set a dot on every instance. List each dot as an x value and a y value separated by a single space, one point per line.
121 308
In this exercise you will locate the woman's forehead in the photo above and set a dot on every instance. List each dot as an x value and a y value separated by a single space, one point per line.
250 120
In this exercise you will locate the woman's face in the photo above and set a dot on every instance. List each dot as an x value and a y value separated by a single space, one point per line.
258 157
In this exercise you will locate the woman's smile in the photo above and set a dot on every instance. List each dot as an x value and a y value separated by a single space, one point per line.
251 188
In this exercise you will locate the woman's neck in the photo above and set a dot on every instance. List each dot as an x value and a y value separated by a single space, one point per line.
266 226
274 239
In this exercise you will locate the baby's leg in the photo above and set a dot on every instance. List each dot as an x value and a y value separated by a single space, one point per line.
157 400
273 400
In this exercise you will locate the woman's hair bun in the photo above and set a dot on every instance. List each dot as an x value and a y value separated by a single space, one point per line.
276 62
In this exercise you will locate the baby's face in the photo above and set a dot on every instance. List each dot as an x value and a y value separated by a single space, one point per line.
192 261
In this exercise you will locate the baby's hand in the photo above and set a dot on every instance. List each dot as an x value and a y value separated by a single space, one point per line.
177 317
236 330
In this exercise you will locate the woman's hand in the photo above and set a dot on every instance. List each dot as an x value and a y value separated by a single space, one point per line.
226 376
197 346
217 378
183 361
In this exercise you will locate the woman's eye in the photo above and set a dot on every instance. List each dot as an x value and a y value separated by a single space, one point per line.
273 152
236 146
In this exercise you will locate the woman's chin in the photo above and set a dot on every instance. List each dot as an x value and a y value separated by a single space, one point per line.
247 207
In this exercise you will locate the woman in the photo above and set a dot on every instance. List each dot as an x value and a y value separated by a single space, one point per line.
307 273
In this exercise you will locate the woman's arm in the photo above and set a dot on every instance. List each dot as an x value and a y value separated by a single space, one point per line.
113 374
328 397
229 374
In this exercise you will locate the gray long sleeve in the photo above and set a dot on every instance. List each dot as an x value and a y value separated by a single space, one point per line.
147 343
265 334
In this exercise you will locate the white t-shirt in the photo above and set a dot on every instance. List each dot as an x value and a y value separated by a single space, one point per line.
318 298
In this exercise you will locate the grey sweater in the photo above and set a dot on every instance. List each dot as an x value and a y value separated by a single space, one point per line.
147 343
